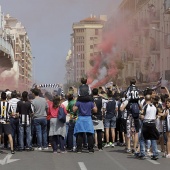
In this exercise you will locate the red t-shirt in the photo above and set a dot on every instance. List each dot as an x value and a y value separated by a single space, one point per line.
54 111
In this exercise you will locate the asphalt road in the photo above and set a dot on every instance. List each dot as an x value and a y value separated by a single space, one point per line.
108 159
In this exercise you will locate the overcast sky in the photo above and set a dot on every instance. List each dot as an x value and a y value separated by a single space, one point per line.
49 25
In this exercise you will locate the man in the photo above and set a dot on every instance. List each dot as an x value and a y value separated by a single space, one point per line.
149 131
40 120
14 121
24 111
110 108
98 117
5 127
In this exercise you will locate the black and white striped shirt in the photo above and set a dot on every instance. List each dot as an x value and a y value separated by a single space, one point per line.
5 111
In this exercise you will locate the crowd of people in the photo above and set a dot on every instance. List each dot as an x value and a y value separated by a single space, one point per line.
138 120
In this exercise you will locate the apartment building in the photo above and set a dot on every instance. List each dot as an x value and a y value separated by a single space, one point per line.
149 58
22 51
87 35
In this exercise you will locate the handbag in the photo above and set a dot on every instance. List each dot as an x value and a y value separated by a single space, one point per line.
61 115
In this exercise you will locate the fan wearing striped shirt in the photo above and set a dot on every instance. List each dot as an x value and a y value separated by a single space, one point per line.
5 127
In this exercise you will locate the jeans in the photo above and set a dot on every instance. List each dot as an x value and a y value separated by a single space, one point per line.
71 139
15 130
25 130
41 131
142 146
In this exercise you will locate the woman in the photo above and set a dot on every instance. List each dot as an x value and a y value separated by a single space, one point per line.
57 128
84 124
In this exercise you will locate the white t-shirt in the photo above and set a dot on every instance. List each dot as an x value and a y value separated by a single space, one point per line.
150 112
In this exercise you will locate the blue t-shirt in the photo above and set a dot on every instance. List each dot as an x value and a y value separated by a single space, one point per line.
84 108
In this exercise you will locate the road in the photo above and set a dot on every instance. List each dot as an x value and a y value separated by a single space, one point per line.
108 159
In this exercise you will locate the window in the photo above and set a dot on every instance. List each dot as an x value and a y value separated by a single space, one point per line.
91 46
91 54
96 32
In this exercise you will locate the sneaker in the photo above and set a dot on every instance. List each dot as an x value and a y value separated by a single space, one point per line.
55 152
128 151
110 143
79 151
12 152
39 148
168 156
100 150
74 149
141 157
29 149
154 157
106 145
113 145
46 148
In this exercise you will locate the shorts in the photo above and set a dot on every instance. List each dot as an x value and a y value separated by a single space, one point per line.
5 128
110 123
123 126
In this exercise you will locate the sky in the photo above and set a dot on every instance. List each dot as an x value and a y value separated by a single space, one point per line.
49 25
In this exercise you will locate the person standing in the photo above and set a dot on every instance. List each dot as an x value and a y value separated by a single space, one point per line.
149 131
57 128
40 120
84 124
14 120
5 112
24 110
98 117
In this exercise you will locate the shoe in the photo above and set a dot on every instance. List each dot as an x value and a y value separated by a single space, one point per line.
106 145
100 150
39 148
141 157
49 145
55 152
113 145
128 151
12 152
63 152
154 157
91 151
168 156
133 150
46 148
19 150
110 143
29 149
136 154
79 151
74 149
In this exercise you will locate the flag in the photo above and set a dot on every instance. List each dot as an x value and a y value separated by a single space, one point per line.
159 83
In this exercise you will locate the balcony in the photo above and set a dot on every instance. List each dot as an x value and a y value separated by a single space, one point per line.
155 17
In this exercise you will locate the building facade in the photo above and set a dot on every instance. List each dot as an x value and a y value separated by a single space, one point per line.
148 57
22 51
87 35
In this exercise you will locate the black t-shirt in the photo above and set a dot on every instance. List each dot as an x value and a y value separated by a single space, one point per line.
98 102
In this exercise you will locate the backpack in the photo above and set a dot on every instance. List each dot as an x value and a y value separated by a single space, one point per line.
135 110
110 109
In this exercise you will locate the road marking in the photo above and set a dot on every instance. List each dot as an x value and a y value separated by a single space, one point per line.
82 166
152 161
8 160
115 161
